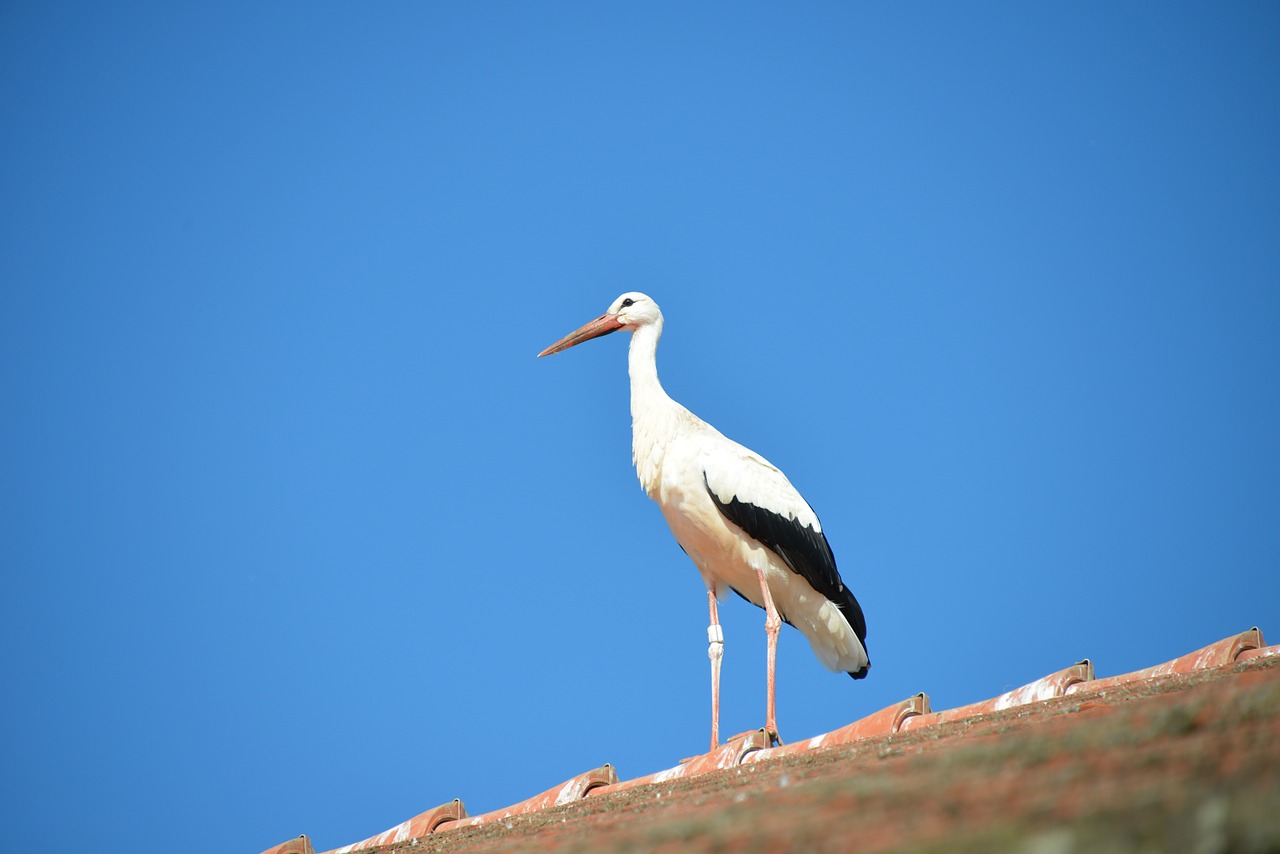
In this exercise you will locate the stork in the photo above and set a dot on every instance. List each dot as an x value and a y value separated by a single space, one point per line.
735 515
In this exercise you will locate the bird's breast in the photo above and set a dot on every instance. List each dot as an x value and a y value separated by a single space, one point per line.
659 433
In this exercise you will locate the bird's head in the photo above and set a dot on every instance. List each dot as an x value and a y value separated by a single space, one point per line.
631 311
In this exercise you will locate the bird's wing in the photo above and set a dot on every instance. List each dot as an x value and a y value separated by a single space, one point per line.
756 496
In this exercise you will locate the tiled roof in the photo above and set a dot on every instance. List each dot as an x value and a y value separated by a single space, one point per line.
1029 762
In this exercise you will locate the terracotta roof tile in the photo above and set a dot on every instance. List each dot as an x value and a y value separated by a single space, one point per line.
1045 754
297 845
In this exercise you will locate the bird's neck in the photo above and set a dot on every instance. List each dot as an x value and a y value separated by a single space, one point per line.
653 412
642 364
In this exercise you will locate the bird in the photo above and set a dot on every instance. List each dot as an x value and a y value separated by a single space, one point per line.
735 514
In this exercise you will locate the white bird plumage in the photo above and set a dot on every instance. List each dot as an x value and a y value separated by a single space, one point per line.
735 514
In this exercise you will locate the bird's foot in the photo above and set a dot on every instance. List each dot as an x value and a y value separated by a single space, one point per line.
770 734
740 745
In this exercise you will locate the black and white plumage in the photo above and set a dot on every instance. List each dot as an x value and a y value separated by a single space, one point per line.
734 513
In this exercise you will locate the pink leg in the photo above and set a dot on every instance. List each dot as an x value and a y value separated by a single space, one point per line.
772 625
715 651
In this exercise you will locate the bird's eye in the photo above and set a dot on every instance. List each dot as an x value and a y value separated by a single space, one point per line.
628 302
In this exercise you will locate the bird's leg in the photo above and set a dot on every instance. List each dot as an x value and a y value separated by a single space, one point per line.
772 625
715 651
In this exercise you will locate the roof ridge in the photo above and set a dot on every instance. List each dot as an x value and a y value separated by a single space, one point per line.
754 746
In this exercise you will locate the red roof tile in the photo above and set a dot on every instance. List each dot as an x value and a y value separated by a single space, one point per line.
1053 718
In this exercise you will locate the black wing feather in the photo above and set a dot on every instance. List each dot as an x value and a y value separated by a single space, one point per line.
803 549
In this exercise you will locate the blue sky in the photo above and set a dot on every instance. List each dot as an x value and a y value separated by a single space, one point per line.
298 535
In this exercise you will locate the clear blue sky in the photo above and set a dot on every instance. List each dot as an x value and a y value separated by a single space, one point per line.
298 535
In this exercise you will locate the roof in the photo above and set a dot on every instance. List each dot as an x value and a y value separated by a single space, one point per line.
1183 755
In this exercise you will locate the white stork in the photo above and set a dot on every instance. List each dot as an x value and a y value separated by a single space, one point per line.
734 513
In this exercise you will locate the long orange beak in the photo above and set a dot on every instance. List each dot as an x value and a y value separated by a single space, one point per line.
602 325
